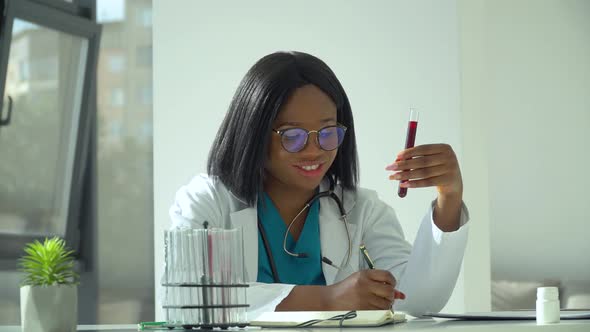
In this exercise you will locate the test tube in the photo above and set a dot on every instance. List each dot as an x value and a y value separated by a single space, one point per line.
178 274
166 289
242 275
190 275
187 274
173 276
237 258
214 256
206 276
410 140
199 270
224 276
182 265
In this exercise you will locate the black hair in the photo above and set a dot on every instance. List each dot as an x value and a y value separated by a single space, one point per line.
240 148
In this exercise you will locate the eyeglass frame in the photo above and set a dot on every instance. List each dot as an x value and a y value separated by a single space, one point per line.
317 136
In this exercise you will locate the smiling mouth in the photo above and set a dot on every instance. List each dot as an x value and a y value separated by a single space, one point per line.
310 167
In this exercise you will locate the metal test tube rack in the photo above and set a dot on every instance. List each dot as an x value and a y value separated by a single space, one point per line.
203 282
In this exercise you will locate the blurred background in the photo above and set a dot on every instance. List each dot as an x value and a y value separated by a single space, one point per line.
119 286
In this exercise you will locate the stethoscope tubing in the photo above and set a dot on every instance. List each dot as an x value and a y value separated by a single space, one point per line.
329 193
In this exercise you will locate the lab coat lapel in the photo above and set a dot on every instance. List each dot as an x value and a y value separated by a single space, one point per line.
247 220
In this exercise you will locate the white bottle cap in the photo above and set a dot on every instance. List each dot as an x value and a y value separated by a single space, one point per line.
547 293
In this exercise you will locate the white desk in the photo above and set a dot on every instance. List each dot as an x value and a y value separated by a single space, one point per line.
412 325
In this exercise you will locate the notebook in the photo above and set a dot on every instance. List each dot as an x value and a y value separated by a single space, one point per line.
363 318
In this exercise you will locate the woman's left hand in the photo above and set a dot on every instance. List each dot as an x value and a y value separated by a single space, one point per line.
430 165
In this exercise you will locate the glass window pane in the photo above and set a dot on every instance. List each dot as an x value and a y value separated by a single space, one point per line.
144 55
44 80
124 165
116 63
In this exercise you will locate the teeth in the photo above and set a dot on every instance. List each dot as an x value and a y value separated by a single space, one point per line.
310 168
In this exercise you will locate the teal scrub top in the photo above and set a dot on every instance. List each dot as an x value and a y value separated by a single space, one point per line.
291 270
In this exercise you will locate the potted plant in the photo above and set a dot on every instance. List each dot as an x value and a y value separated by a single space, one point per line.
49 293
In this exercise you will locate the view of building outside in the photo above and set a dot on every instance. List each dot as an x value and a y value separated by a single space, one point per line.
125 186
41 75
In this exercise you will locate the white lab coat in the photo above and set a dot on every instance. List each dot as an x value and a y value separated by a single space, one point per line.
426 272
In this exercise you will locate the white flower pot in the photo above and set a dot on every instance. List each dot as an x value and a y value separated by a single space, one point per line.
49 308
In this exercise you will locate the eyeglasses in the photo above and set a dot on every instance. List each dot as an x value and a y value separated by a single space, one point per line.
295 139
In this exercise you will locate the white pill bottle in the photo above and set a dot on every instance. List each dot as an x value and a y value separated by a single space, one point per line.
547 305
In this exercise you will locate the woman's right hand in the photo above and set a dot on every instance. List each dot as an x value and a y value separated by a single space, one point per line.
364 290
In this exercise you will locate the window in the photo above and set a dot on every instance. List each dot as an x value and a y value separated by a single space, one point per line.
48 64
117 97
144 17
125 166
144 56
144 95
23 72
110 11
48 56
121 291
46 68
116 63
116 129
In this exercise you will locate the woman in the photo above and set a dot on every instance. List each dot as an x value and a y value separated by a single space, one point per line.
289 135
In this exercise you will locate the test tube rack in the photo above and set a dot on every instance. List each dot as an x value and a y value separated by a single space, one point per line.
203 280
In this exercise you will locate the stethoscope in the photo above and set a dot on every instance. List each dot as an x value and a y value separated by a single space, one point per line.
329 193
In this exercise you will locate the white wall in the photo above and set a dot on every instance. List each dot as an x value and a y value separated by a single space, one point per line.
540 203
389 56
475 150
526 110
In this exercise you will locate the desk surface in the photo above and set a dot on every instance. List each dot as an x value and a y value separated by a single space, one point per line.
411 325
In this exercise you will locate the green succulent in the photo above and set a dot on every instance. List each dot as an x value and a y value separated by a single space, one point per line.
48 263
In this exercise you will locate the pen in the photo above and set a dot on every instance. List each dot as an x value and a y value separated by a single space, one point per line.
365 253
366 257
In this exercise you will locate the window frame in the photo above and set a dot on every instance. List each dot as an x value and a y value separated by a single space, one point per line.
76 20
